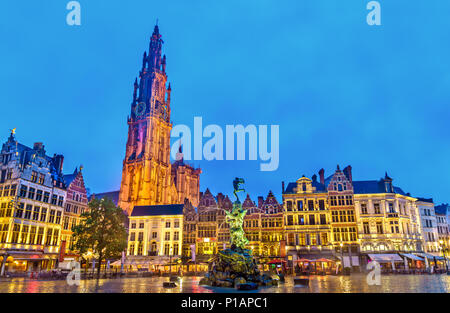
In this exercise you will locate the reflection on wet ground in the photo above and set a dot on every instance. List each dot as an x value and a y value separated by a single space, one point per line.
318 284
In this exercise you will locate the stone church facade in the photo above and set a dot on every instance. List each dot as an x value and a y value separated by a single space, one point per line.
148 176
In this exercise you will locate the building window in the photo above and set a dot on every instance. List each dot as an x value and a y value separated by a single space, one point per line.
323 219
167 236
51 218
131 250
48 239
46 197
55 237
24 235
141 236
348 200
132 236
153 247
300 205
376 207
34 176
311 205
32 235
288 206
15 234
43 214
166 249
19 210
290 220
60 201
167 224
66 223
54 199
23 191
58 217
40 236
28 210
391 207
41 179
176 236
351 216
312 220
141 225
321 205
366 228
13 190
175 248
5 192
154 235
39 195
36 213
133 225
363 208
176 224
31 193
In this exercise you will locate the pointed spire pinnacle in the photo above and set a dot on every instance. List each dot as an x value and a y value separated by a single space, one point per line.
12 135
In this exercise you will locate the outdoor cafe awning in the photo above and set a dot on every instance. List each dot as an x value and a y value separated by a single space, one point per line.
430 257
412 257
277 261
385 258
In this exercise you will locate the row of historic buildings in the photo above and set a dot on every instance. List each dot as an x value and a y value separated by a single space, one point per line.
39 204
319 217
334 218
330 218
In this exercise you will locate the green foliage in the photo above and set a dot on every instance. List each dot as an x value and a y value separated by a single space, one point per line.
102 230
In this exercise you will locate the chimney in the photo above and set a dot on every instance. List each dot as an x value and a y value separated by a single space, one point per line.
314 178
38 146
59 160
282 186
348 173
322 176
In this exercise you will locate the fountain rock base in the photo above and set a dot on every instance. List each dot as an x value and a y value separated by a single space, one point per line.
233 268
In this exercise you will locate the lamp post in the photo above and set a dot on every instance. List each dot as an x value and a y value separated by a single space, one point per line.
444 248
342 256
170 260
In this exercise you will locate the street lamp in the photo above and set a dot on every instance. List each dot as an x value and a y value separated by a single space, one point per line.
444 248
170 260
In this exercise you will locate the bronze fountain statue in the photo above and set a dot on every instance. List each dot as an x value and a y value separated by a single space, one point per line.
236 267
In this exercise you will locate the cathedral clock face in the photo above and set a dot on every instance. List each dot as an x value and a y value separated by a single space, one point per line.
140 109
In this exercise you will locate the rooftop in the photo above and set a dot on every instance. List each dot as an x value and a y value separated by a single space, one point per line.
157 210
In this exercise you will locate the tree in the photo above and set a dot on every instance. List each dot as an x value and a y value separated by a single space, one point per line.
102 231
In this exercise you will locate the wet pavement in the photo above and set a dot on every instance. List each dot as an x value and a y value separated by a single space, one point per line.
318 284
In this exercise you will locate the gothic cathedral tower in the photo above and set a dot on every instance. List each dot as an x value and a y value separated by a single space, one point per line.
147 174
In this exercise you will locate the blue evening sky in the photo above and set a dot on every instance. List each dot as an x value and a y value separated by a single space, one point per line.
343 92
